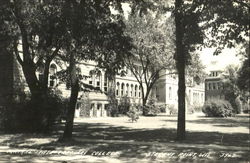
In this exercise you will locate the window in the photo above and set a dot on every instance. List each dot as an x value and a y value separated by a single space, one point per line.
139 93
40 77
52 81
98 77
122 89
105 83
98 84
131 90
214 86
90 82
135 90
52 75
117 88
127 89
170 93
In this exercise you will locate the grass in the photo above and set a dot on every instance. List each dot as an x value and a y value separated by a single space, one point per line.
149 139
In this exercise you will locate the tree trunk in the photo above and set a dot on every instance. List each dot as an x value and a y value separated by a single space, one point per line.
111 95
144 101
32 81
180 63
44 83
73 100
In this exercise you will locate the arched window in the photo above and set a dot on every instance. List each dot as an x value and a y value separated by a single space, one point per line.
117 88
91 74
131 90
127 89
136 90
52 75
105 83
40 72
122 89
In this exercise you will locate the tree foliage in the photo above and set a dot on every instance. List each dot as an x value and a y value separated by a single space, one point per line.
95 34
243 81
37 32
152 49
231 91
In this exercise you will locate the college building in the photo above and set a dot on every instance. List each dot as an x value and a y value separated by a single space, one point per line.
165 89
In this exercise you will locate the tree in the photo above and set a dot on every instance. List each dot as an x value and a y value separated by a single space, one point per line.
226 23
188 34
243 81
230 90
152 49
94 34
38 28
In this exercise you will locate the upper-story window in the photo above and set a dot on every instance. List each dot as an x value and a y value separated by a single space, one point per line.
105 83
98 77
170 93
52 74
40 72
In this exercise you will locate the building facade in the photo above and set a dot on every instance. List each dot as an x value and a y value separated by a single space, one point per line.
214 86
165 89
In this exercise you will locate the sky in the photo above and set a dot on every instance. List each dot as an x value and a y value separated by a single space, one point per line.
211 62
219 62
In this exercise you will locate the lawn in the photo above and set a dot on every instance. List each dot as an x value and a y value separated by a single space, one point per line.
149 139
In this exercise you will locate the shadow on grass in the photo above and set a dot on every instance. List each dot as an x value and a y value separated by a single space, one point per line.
136 144
238 121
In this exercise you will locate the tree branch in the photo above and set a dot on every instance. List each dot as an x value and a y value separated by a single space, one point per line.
55 52
17 53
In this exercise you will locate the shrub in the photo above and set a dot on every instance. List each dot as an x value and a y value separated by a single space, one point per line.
85 106
151 109
112 107
237 105
217 108
195 108
162 108
124 105
37 115
198 108
133 114
172 109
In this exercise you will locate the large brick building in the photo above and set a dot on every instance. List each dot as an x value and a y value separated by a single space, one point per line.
165 90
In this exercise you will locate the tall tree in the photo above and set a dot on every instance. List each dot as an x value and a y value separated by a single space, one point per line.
188 35
37 33
226 24
95 34
153 44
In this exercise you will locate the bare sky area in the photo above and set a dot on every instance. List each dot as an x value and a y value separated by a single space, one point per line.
227 57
